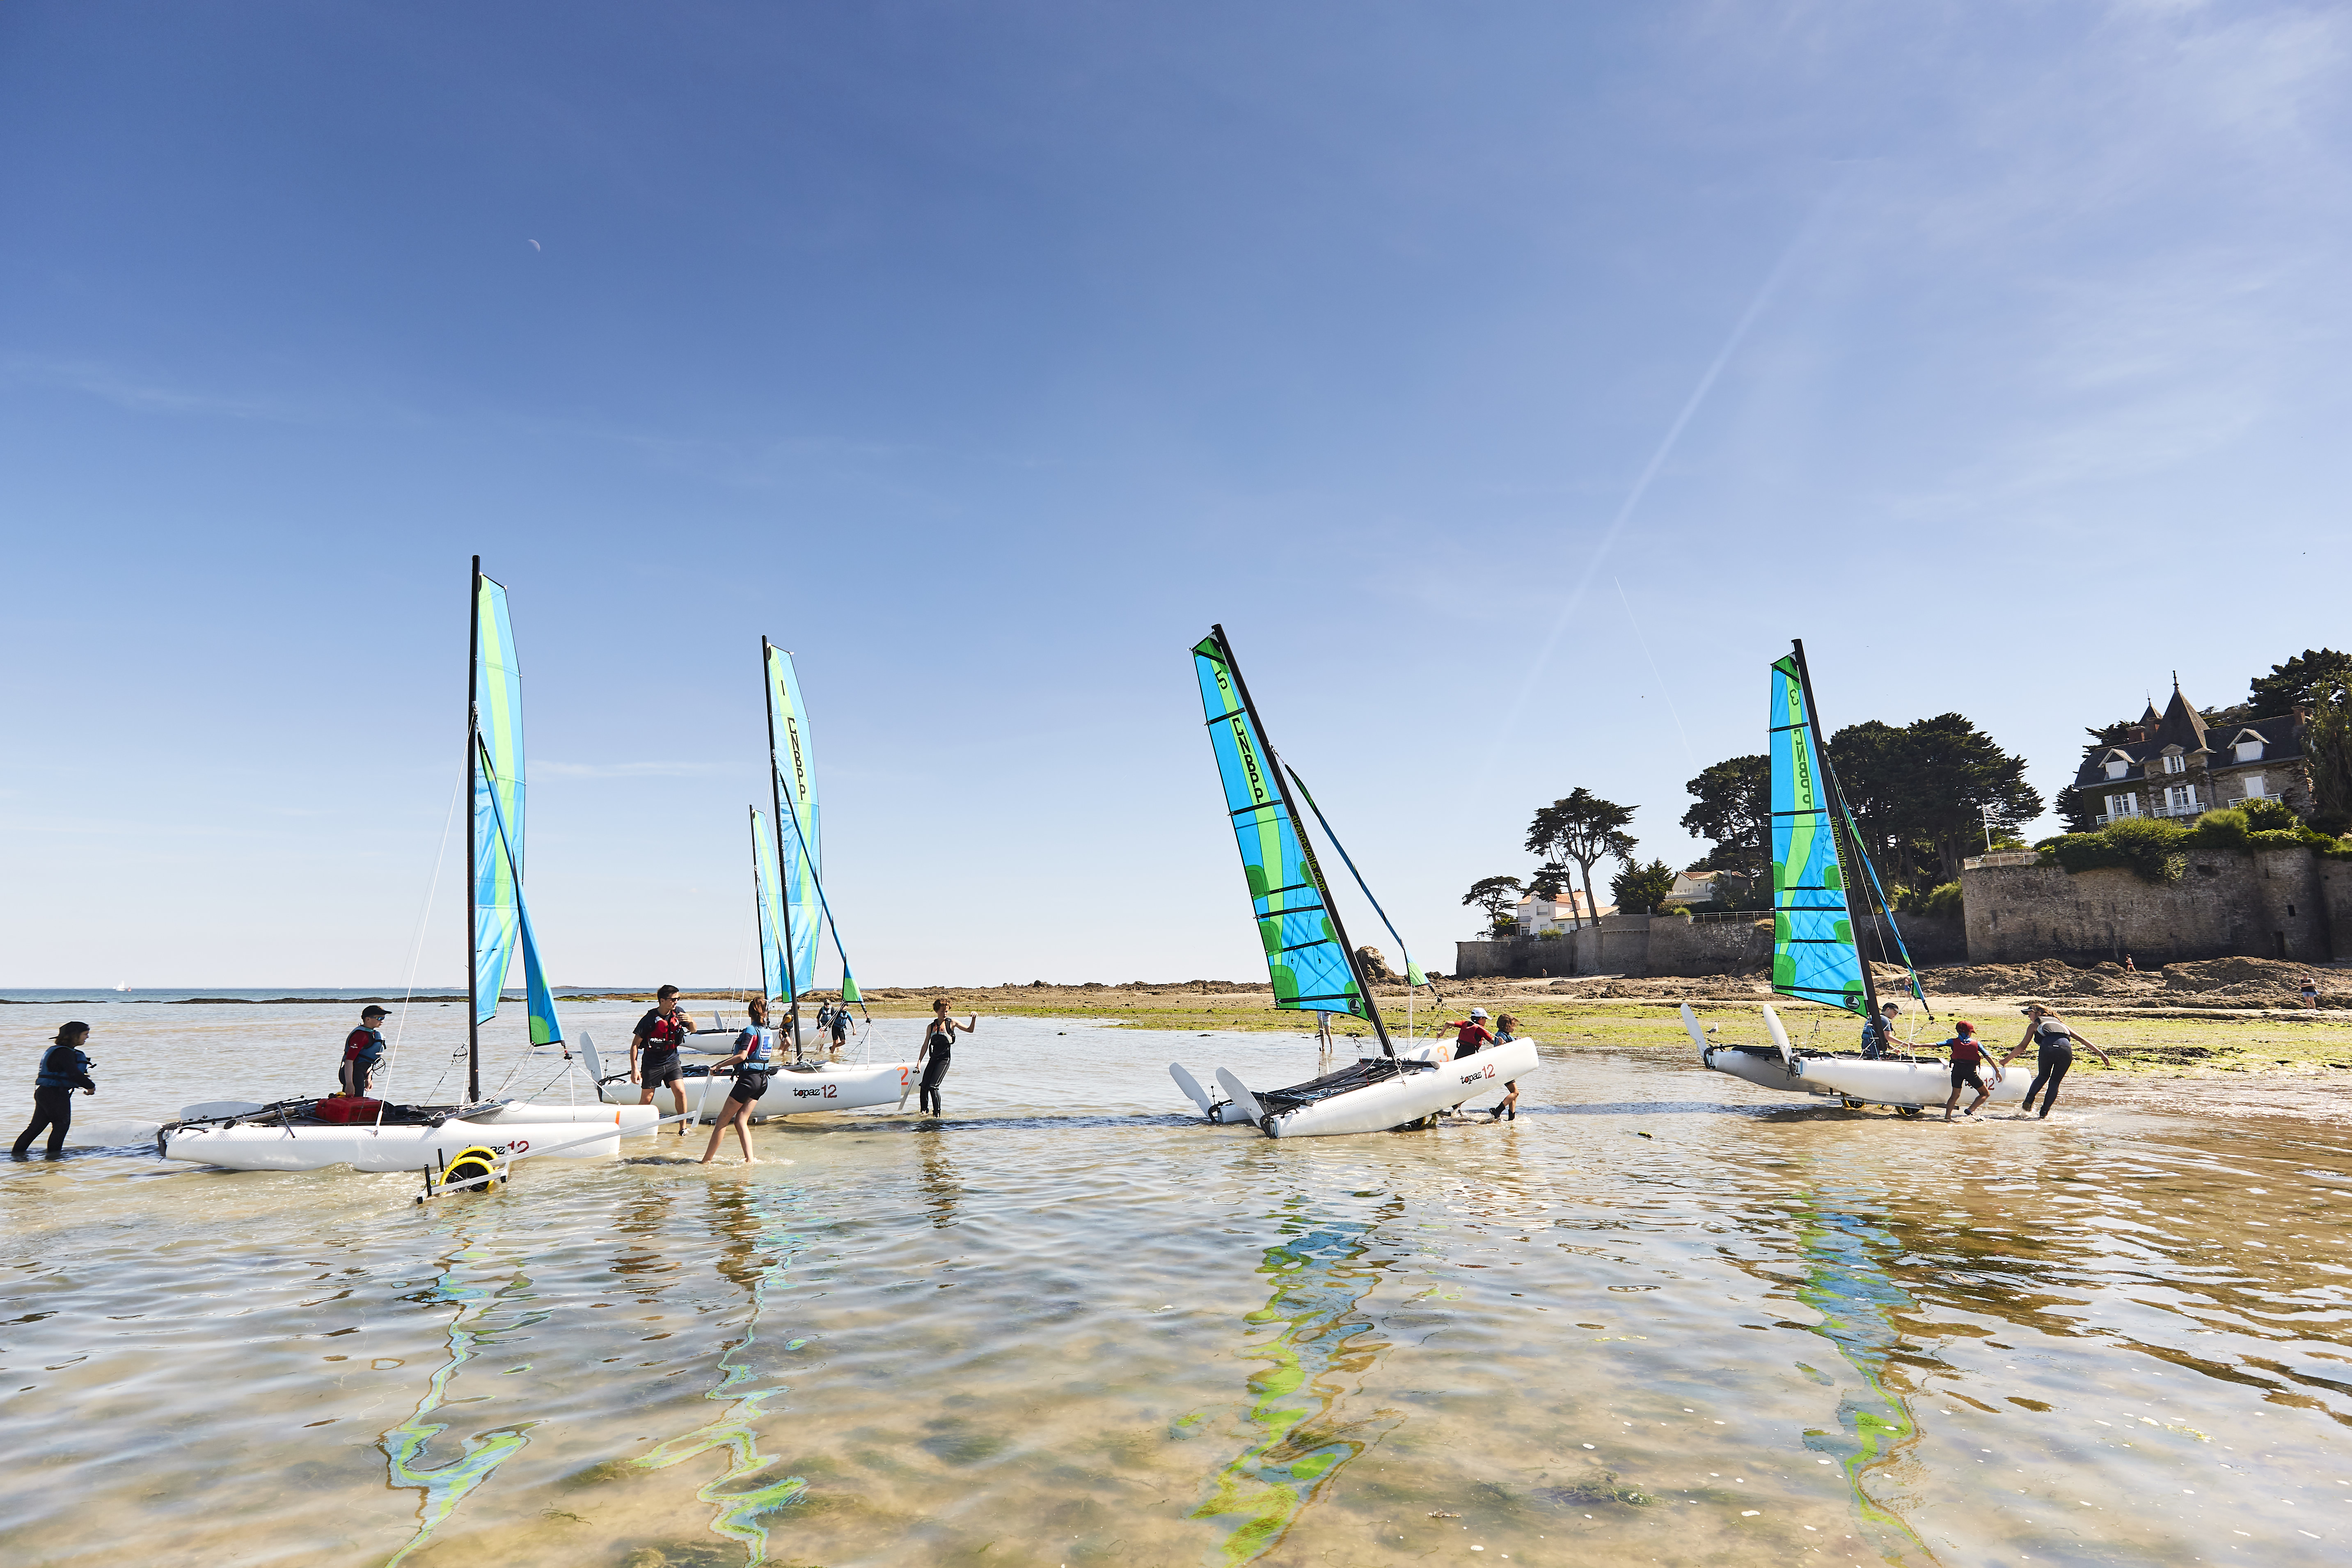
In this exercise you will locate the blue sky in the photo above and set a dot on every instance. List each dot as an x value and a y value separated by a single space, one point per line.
1512 381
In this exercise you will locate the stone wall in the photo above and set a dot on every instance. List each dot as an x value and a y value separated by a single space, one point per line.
2272 904
1670 945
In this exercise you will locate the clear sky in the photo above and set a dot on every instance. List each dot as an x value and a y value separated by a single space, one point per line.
1513 381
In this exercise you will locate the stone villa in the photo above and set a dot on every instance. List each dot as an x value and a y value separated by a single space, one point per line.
2183 764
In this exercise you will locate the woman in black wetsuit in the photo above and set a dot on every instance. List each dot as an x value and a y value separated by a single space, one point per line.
2055 1056
939 1042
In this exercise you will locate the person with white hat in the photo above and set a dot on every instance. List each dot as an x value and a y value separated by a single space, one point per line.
1470 1033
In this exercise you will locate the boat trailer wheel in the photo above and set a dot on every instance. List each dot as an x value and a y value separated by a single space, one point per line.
1853 1104
471 1167
1906 1110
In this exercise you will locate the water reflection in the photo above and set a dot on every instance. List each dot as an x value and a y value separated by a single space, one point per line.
754 1223
1846 1281
485 1313
1317 1343
941 1188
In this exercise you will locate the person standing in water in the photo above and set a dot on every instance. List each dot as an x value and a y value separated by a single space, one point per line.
64 1068
657 1037
1507 1030
362 1050
2055 1043
755 1057
1968 1061
840 1029
939 1042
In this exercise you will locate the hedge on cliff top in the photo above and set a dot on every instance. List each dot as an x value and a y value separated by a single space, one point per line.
2156 850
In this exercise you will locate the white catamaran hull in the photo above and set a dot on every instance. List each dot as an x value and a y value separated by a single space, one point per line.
829 1086
247 1146
1854 1080
1376 1107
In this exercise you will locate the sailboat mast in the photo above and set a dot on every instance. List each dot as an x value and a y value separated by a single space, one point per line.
776 798
473 887
1306 846
1852 851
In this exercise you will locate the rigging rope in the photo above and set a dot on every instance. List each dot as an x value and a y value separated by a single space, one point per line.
416 950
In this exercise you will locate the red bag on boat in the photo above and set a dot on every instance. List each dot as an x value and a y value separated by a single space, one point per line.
347 1107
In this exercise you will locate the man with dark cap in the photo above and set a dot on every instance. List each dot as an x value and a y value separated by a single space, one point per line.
362 1050
63 1070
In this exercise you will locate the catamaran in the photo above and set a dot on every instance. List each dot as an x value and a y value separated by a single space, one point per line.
791 909
1819 907
378 1135
1307 954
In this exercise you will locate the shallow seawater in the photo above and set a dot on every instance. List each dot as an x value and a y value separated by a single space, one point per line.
1661 1317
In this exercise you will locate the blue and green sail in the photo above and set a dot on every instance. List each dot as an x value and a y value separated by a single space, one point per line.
1305 955
797 836
768 894
502 929
1814 957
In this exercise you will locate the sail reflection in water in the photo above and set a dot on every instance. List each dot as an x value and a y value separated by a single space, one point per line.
444 1486
1847 1284
755 1222
1319 1343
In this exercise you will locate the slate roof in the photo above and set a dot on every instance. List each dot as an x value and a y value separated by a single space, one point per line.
2181 725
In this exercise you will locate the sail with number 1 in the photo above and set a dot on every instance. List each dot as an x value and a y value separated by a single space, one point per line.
1307 954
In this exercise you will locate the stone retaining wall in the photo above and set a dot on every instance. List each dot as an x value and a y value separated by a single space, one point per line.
2276 903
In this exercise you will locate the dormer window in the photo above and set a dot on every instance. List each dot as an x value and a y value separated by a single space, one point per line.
2174 762
2249 746
2119 765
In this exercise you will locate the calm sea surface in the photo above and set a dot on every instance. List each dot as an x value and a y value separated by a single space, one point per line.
1661 1317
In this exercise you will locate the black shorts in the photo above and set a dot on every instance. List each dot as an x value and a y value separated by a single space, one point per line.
1964 1075
748 1087
659 1066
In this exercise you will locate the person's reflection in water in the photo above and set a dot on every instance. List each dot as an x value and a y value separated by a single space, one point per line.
942 1190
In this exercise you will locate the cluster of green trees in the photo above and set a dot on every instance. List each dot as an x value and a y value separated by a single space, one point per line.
1571 835
1922 797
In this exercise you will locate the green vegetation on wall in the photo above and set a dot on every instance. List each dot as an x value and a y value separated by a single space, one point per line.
2157 851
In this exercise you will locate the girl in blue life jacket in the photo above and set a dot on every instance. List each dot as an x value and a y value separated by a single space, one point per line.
755 1057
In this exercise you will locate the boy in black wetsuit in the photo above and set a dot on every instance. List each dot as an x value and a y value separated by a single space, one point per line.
64 1068
656 1039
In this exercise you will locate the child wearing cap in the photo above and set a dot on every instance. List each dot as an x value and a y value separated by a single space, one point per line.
1969 1060
1470 1033
362 1050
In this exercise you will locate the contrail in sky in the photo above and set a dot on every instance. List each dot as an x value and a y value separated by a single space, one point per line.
1649 472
